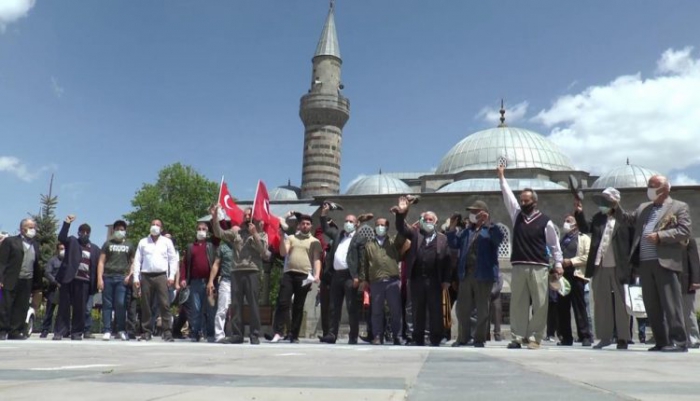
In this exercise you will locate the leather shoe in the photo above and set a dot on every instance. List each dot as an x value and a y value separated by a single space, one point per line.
602 344
655 348
457 344
694 345
565 344
397 341
328 339
352 341
20 336
376 341
674 348
88 335
514 345
254 340
76 337
586 342
621 344
236 340
478 345
3 336
57 337
44 334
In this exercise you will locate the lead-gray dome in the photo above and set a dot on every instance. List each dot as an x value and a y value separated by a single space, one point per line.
378 184
283 194
522 148
627 176
492 184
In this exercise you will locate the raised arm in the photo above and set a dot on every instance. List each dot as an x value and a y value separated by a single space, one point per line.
225 235
63 234
331 232
509 199
581 223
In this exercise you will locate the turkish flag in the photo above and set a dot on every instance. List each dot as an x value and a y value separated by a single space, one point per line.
229 206
261 212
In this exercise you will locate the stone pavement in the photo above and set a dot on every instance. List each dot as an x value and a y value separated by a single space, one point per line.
95 370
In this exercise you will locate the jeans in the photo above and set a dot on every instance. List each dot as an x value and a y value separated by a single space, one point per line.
113 300
388 291
199 310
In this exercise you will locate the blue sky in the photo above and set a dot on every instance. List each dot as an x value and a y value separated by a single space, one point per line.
104 94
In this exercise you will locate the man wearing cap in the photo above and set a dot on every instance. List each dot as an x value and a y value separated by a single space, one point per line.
662 230
477 269
608 266
533 235
575 248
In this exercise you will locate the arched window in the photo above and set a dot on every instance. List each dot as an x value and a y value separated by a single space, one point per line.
504 248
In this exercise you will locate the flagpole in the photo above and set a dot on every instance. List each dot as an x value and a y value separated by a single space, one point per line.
221 186
255 200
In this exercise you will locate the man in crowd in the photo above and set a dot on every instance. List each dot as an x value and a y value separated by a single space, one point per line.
221 270
496 307
155 266
608 266
303 259
477 270
662 230
113 275
575 247
19 271
249 245
78 279
533 234
343 260
379 268
428 265
195 274
690 281
50 272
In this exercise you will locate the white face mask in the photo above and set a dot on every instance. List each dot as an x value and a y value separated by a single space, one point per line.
155 230
567 227
61 254
201 234
120 234
380 230
427 227
31 232
472 218
651 194
349 227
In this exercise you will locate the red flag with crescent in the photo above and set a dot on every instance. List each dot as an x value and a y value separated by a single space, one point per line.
261 212
229 206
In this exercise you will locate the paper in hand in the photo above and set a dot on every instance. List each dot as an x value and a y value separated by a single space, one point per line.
308 280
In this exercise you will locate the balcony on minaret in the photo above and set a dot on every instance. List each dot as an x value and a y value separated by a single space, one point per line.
324 109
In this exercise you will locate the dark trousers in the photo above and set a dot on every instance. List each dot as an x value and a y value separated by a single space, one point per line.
155 285
576 299
132 305
661 291
14 306
552 315
324 299
389 291
496 309
246 284
291 286
72 303
342 289
426 296
50 309
474 294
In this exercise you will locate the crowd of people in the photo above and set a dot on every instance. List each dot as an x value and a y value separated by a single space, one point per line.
407 283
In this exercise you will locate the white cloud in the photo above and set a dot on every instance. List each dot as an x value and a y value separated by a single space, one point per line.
12 10
56 88
683 179
653 121
492 114
15 166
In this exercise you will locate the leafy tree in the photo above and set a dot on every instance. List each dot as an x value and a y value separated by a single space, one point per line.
47 225
179 197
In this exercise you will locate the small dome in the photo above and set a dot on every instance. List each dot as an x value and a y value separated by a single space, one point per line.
283 194
378 184
627 176
522 148
492 184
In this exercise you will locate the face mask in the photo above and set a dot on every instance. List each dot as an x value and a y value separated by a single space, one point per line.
61 254
380 230
604 209
30 233
155 230
651 194
201 234
527 209
120 234
84 238
349 227
567 227
472 218
427 227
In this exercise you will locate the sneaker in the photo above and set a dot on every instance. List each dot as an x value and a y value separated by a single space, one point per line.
277 338
106 336
533 345
123 336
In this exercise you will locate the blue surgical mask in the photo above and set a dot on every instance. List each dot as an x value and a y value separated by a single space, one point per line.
427 227
349 227
380 230
604 209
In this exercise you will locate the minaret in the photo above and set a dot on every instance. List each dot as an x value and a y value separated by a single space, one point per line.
324 112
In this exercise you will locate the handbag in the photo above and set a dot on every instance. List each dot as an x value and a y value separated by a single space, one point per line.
634 303
446 309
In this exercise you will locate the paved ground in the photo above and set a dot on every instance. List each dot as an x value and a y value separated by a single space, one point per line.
95 370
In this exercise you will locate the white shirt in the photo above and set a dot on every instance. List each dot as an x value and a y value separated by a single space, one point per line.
605 240
155 257
340 260
513 207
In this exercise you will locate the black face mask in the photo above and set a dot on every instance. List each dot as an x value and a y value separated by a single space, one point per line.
527 209
84 239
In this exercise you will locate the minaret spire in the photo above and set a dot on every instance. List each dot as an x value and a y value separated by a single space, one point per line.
328 43
503 116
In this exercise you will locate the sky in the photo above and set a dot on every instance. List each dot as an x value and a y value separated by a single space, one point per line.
105 94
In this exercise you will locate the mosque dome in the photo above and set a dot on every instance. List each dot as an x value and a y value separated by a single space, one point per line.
492 184
522 148
627 176
378 184
285 192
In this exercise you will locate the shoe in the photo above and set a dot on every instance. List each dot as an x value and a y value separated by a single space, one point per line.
366 339
376 341
237 340
630 342
106 337
655 348
533 345
602 344
434 344
3 336
469 342
194 339
642 340
694 345
549 339
565 344
145 337
458 344
222 340
132 336
254 340
20 336
497 337
294 340
275 339
76 337
478 344
397 341
328 339
168 338
88 335
674 348
44 334
352 341
57 337
514 345
123 336
586 342
622 344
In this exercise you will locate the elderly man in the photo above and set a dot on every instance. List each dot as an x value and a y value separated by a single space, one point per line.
608 266
477 270
662 230
428 269
533 234
19 269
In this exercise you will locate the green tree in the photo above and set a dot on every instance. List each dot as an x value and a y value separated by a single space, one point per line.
47 225
179 197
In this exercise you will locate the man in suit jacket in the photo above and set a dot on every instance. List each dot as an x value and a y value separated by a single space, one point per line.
662 230
690 281
77 277
428 271
608 266
19 269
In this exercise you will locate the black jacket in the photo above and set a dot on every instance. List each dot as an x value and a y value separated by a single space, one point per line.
691 267
354 251
11 258
74 254
621 242
417 237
